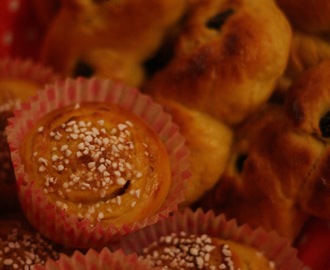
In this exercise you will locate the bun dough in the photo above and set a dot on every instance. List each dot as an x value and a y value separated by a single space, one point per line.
221 254
98 162
227 59
209 142
133 30
308 107
268 167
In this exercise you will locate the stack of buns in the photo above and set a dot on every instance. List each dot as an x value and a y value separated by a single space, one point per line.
245 81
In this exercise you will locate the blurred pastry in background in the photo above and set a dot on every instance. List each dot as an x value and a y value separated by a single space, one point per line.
134 30
227 58
267 170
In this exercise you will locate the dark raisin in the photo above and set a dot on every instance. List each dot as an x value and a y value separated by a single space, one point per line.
240 162
83 69
218 20
325 125
124 188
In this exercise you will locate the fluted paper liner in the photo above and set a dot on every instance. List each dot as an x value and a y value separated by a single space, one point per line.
26 69
274 248
17 69
55 224
103 260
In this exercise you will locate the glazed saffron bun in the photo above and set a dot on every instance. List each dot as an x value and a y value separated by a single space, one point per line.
209 141
19 80
21 246
227 58
132 29
277 158
307 106
98 162
189 251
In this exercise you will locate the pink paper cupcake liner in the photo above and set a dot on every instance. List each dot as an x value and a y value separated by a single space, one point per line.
276 249
56 224
103 260
26 69
16 69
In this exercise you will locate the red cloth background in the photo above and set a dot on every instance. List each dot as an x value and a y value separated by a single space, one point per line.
20 36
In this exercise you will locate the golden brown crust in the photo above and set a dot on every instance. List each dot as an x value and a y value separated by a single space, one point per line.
183 251
312 16
12 91
308 99
132 29
226 68
98 161
209 142
308 106
269 165
307 50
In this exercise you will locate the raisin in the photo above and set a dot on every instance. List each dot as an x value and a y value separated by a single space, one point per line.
83 69
218 20
325 125
240 162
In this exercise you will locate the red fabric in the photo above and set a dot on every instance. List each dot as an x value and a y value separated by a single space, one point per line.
20 37
19 33
314 246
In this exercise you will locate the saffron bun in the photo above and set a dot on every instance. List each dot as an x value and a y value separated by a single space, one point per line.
270 153
227 58
19 80
203 252
310 16
11 93
21 246
209 142
132 29
307 106
307 50
98 162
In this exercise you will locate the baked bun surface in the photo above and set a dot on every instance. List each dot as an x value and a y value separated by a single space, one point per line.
227 58
98 161
184 251
132 29
308 107
263 179
209 141
21 246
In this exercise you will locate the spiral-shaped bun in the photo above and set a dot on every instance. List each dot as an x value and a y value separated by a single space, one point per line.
98 162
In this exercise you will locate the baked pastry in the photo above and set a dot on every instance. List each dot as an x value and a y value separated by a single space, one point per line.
311 16
266 172
19 80
307 106
209 142
201 240
190 251
82 28
98 162
21 246
95 160
227 58
307 50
